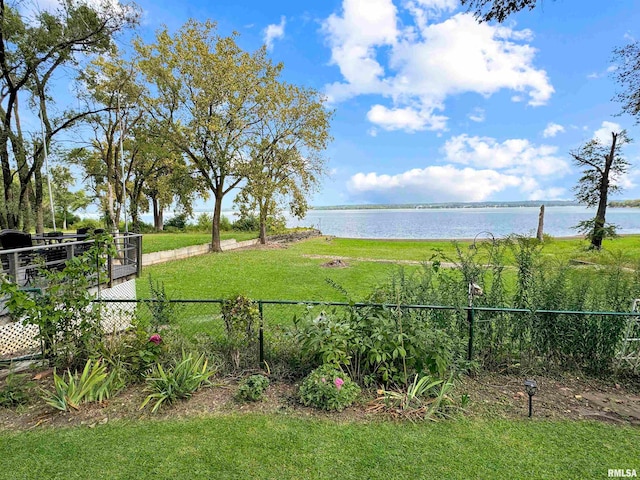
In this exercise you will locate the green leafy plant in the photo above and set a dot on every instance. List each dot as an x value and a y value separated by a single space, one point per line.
240 314
62 309
94 384
15 390
179 381
252 388
328 388
160 306
426 397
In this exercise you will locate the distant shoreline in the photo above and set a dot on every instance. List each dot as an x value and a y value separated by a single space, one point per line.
441 206
420 206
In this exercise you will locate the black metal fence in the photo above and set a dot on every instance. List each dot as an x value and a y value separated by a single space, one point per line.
490 336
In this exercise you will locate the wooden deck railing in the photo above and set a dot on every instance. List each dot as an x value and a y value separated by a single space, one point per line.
23 265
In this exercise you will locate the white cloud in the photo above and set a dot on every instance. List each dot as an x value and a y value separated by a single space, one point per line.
407 119
477 115
552 130
609 69
603 134
431 184
418 66
274 32
513 156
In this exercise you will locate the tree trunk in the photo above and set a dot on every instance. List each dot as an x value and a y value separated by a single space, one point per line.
39 195
540 233
215 224
599 222
158 224
263 224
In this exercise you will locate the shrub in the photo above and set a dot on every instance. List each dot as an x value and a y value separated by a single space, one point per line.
203 222
130 355
425 397
249 223
179 381
162 310
93 385
378 344
240 314
328 388
89 223
252 389
179 222
68 321
225 224
15 390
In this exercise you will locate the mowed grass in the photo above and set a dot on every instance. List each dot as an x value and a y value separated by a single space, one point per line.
562 249
270 274
157 242
293 274
279 447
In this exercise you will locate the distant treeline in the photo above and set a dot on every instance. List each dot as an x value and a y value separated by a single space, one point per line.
524 203
626 203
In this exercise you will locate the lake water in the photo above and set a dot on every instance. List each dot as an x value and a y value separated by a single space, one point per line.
459 222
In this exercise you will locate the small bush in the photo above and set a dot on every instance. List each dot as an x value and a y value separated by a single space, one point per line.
177 382
179 222
250 223
88 223
328 388
15 391
225 224
252 389
240 314
93 385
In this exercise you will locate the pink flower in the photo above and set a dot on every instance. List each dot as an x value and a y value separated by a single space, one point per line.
155 338
338 381
324 380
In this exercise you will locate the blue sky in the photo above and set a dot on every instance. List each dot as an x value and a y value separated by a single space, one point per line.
431 106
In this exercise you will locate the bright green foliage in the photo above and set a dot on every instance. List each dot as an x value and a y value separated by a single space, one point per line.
328 388
179 381
162 310
426 396
93 385
294 447
209 94
68 322
240 316
375 344
287 162
252 388
15 390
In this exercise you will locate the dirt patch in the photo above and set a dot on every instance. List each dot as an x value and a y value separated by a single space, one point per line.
490 395
571 397
336 263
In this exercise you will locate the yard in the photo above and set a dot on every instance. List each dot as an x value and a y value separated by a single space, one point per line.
483 432
277 446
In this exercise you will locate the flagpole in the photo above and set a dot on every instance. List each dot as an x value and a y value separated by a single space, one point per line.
46 166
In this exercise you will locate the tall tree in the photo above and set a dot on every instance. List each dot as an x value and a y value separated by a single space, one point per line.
602 165
65 200
287 161
208 95
499 10
628 77
114 90
32 48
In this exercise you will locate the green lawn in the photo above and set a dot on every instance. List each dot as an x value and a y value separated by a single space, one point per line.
280 447
289 273
278 274
420 250
156 242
